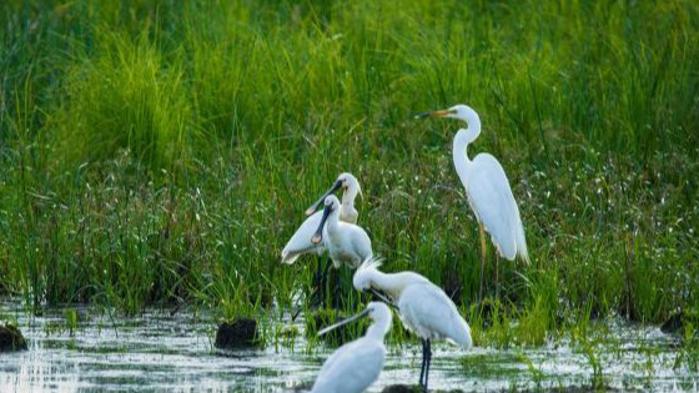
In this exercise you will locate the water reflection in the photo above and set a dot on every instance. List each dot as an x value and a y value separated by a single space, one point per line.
156 352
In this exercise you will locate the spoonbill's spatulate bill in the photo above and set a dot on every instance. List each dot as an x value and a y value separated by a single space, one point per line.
346 243
300 243
353 367
350 189
424 308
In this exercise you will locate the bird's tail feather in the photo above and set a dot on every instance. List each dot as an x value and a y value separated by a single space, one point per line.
522 251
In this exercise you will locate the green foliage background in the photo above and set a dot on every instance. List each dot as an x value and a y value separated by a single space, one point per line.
159 151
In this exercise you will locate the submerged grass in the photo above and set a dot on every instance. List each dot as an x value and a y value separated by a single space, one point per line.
160 153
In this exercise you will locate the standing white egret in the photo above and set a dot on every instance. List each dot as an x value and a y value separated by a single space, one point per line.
424 308
346 243
300 243
487 189
356 365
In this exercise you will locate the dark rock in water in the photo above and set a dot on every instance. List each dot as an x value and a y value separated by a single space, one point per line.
400 388
239 333
11 339
674 324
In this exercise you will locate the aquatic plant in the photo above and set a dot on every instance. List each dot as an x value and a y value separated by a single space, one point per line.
689 351
536 374
591 352
71 320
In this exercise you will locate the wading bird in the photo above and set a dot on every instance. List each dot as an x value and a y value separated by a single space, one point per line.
300 243
346 243
423 307
356 365
487 189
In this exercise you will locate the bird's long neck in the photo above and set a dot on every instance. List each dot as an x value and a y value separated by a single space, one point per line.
462 139
380 327
349 196
393 283
349 213
333 221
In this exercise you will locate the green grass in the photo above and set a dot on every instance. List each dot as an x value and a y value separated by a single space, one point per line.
160 152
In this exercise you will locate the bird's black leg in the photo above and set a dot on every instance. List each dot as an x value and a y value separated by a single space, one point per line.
317 292
424 362
336 300
428 353
324 293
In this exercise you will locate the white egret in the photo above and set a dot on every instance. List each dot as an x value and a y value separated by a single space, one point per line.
300 243
424 308
353 367
346 243
488 190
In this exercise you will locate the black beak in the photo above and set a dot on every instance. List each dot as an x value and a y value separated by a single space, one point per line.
318 236
421 115
345 321
383 298
317 204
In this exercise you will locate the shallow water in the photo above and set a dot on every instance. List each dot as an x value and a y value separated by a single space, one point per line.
157 352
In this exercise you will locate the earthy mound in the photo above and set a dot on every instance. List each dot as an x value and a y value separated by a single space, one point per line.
239 333
11 339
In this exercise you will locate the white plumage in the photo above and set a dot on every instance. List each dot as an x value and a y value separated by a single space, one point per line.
353 367
491 199
423 307
346 243
429 313
487 187
300 243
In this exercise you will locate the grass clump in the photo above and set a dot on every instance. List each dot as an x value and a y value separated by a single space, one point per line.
124 95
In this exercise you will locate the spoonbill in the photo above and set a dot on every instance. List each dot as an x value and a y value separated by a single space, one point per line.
488 190
346 243
300 243
353 367
423 307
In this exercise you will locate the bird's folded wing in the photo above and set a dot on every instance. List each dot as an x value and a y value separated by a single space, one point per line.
300 243
491 197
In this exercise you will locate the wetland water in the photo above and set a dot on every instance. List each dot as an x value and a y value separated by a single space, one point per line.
157 352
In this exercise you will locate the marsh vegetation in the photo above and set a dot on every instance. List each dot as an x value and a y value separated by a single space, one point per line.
159 154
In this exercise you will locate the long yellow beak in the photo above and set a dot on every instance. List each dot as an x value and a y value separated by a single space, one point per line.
423 115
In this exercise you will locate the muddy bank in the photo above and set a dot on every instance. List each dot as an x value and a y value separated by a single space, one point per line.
237 334
11 339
